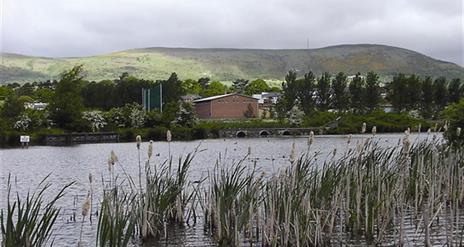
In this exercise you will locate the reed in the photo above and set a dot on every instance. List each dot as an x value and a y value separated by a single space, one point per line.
30 221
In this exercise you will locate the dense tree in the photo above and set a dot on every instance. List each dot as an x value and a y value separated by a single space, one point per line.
172 89
323 92
257 86
192 87
239 86
204 82
306 93
67 104
128 89
455 90
426 101
357 93
12 107
100 95
44 95
289 93
26 89
413 92
5 92
440 93
340 97
214 88
397 92
372 92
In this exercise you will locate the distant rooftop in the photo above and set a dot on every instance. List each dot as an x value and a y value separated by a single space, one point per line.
220 96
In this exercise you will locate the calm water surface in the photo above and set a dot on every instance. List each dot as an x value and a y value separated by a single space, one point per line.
65 164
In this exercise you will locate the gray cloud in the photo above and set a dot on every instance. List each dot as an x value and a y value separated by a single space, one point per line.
89 27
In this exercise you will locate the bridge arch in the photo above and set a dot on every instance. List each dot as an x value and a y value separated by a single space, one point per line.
241 134
285 133
264 133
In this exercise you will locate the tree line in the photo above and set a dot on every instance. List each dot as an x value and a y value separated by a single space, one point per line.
362 94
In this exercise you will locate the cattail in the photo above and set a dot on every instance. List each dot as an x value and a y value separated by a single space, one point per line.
435 127
445 127
406 143
363 130
311 138
168 136
249 151
334 152
150 149
86 206
407 132
113 157
138 140
349 139
374 130
419 127
429 131
458 131
292 153
90 177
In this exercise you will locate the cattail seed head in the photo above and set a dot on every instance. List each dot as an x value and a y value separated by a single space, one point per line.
168 136
419 127
113 157
138 140
458 131
86 206
150 149
311 138
90 178
292 153
374 130
406 143
249 151
349 139
445 127
363 129
429 131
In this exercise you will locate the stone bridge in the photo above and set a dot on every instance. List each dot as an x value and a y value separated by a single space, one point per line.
267 132
276 132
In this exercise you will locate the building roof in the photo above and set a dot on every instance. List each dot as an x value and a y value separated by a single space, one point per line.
221 96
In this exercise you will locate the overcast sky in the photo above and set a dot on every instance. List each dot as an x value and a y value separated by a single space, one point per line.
90 27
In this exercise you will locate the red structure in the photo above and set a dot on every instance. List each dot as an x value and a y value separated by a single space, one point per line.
227 106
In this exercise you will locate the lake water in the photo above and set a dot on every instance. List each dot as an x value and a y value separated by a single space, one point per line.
65 164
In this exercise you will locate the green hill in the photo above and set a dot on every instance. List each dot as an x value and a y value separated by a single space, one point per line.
230 64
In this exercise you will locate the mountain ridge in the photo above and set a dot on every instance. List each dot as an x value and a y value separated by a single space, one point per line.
227 64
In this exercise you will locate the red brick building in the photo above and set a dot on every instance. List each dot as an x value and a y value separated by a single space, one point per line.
226 106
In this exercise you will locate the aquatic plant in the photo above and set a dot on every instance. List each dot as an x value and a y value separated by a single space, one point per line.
30 221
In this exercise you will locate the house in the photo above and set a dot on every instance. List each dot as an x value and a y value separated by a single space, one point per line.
266 101
226 106
39 106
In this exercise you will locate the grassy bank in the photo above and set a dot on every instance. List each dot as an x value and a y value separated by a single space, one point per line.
348 123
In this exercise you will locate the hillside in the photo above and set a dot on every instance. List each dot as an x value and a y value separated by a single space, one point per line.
229 64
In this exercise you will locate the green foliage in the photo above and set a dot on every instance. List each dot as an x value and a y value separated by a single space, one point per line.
358 93
44 95
340 97
372 91
323 92
426 103
67 104
257 86
305 93
239 86
455 90
318 119
192 87
186 115
455 115
440 93
172 89
12 107
214 88
29 221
